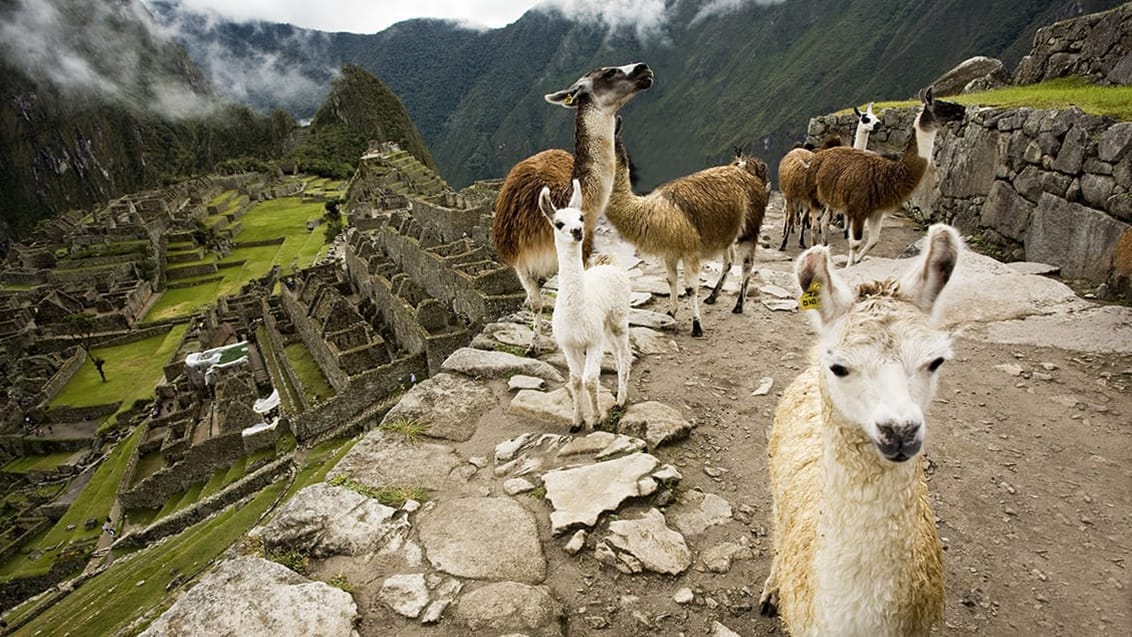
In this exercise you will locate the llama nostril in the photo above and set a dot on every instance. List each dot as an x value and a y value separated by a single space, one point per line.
577 234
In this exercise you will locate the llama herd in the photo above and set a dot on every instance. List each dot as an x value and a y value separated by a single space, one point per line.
856 551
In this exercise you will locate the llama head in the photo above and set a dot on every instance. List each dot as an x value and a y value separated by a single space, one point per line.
866 121
936 112
608 88
569 223
878 348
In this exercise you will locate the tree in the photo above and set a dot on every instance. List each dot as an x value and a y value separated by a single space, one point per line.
333 219
81 326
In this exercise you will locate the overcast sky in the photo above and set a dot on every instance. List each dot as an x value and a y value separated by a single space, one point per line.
367 16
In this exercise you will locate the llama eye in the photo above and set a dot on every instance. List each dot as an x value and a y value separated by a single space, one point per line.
934 365
609 74
558 224
839 371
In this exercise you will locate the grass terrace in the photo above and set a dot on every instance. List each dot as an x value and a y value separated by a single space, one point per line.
28 464
112 601
95 502
1053 94
314 382
132 371
279 218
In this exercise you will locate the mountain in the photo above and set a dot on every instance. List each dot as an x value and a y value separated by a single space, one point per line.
359 109
743 72
96 101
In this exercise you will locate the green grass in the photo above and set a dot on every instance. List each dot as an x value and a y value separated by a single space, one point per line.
222 197
410 429
109 602
389 496
95 501
1053 94
286 217
319 461
132 371
314 382
37 463
148 465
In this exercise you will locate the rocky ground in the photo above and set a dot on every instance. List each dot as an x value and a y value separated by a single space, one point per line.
664 528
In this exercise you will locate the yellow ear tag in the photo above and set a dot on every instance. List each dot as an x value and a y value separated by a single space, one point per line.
569 101
811 298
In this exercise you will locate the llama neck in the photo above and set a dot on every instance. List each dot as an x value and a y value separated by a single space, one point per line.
861 140
626 211
593 156
866 533
570 271
924 138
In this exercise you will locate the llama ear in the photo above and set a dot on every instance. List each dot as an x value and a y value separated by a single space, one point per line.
923 283
926 95
823 289
546 205
576 195
857 112
617 126
564 98
869 109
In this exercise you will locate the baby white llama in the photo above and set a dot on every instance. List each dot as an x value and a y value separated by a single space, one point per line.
591 310
856 551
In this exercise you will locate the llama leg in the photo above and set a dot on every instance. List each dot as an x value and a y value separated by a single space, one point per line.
748 267
590 383
692 269
874 225
787 224
670 265
534 300
856 232
768 600
618 332
728 260
576 362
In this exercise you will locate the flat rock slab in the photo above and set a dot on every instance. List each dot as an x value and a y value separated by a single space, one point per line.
637 299
484 364
581 494
405 593
385 459
1097 328
522 381
450 406
644 544
655 422
981 290
556 406
697 511
483 538
647 341
654 320
529 453
780 305
253 596
325 520
510 607
515 334
1033 267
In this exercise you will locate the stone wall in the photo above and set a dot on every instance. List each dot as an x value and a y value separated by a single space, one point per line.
364 392
1097 46
1053 185
183 519
197 465
69 368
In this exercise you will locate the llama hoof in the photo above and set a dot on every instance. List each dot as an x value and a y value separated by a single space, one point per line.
768 605
710 300
738 309
671 313
532 351
696 329
576 427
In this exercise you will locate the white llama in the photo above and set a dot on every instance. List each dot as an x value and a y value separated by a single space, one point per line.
856 551
591 310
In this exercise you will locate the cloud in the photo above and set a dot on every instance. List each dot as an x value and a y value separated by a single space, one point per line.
648 19
112 50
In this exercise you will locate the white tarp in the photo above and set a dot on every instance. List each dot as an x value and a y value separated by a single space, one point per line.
264 405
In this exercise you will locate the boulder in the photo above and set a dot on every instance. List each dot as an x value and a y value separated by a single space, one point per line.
655 422
1079 239
384 459
510 607
326 520
644 544
954 81
484 364
581 494
450 406
483 538
253 596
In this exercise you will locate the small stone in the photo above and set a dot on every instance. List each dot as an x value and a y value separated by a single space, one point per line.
713 472
478 462
719 630
577 542
411 506
1049 367
684 596
1011 369
522 381
405 593
515 486
764 386
780 305
597 622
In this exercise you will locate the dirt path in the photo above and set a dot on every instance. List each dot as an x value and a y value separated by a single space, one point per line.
1030 478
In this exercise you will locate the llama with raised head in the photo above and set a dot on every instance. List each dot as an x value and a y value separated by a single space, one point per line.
519 232
856 551
866 122
590 311
715 211
866 186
